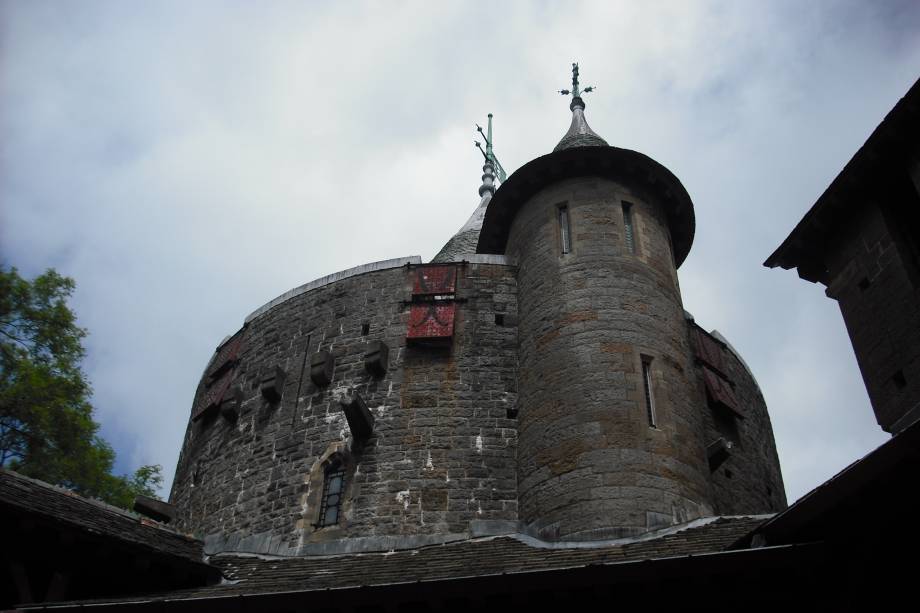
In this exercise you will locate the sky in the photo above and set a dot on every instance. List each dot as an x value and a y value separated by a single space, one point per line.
186 163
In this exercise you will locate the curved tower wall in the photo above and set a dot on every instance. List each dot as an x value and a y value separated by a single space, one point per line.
441 455
749 481
590 465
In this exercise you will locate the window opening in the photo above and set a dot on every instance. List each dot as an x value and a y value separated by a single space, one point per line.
565 232
628 227
333 488
649 398
365 329
499 319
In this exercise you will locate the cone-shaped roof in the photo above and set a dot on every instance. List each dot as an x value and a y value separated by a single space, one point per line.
580 133
465 240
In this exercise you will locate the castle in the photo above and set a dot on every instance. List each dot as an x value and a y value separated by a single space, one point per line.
540 377
531 418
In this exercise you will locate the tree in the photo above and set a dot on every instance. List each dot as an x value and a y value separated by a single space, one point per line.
47 429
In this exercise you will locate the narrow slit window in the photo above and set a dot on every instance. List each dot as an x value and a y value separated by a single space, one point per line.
565 233
628 227
333 490
649 397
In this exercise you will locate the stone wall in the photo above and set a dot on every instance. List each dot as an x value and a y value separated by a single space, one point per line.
749 481
874 274
442 454
590 463
444 460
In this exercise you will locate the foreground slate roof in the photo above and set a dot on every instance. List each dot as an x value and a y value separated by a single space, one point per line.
39 500
491 556
494 556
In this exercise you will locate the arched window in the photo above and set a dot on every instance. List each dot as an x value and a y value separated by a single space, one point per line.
333 490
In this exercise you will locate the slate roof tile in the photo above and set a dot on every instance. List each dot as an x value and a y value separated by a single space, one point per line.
21 494
252 575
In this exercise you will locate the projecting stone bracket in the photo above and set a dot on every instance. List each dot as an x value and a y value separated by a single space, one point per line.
155 509
273 384
359 417
718 451
230 405
321 367
377 358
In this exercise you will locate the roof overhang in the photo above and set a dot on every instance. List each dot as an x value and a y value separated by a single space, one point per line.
636 170
885 152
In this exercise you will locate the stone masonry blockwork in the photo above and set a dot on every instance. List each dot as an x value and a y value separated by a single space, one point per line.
590 465
575 399
442 454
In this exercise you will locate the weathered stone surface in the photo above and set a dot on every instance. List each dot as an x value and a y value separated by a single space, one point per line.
452 448
442 453
874 275
586 319
749 480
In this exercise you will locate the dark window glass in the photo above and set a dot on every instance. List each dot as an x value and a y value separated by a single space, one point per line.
565 232
649 398
333 487
628 227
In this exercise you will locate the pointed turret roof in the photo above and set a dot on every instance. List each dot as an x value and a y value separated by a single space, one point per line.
465 240
580 133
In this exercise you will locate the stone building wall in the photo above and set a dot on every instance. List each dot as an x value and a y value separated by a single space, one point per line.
874 274
454 451
590 463
442 454
749 481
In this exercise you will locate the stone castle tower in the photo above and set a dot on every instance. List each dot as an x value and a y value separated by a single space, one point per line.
540 377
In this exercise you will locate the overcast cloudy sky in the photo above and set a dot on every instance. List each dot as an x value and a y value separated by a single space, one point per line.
186 162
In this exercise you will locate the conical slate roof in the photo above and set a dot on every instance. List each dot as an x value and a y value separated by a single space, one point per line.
580 133
464 242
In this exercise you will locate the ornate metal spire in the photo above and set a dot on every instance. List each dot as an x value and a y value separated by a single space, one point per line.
488 154
580 133
576 93
464 242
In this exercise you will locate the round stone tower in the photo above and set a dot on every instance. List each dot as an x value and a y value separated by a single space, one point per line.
611 435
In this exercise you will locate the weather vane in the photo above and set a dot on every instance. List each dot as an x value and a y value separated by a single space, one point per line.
488 154
576 93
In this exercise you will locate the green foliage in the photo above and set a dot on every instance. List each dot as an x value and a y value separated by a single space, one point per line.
47 429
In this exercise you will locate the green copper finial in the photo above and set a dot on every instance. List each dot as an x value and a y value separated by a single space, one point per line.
488 154
576 93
